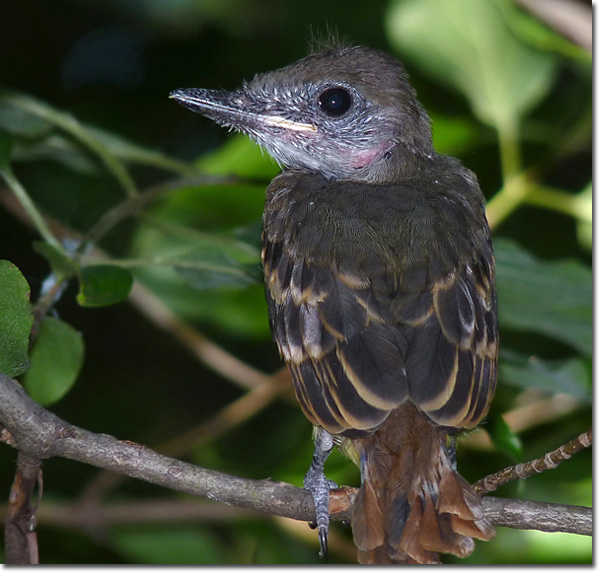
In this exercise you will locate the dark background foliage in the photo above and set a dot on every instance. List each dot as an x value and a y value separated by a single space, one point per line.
507 95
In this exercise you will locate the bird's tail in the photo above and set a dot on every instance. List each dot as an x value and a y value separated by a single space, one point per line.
412 504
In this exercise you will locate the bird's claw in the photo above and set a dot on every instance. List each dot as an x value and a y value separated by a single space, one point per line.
323 538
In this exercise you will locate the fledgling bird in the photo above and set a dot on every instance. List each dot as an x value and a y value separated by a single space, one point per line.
379 276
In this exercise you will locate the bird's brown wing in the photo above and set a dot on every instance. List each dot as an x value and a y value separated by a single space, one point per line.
359 346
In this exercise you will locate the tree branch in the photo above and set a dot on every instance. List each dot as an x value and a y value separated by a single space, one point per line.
39 433
19 534
549 461
544 516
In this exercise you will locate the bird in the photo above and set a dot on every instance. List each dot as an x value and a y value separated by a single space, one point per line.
379 279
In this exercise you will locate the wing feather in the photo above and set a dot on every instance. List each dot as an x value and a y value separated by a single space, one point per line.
456 387
362 338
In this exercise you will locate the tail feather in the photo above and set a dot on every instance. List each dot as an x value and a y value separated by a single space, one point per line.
482 530
416 541
436 533
457 497
417 506
367 523
430 535
458 500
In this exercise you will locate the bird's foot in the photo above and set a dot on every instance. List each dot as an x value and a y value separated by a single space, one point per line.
319 485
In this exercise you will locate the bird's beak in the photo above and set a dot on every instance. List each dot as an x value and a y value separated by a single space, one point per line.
233 109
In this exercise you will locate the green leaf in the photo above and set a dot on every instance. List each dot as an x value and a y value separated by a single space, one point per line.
453 135
558 548
552 298
15 320
504 439
207 270
468 45
239 156
223 219
103 285
570 376
20 123
60 263
177 240
56 359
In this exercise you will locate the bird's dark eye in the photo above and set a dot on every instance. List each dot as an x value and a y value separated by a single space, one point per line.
335 101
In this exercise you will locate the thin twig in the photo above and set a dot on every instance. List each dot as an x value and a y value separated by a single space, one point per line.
29 209
525 470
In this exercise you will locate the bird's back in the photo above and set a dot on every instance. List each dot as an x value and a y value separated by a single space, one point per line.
379 293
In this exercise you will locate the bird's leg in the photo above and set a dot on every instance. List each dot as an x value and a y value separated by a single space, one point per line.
317 483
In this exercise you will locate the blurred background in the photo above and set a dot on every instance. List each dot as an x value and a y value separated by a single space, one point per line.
186 365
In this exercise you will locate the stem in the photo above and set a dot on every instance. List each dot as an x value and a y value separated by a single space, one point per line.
510 151
44 304
29 206
520 190
507 199
70 125
566 203
136 204
515 184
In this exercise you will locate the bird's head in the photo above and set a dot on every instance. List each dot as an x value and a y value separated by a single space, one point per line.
345 113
